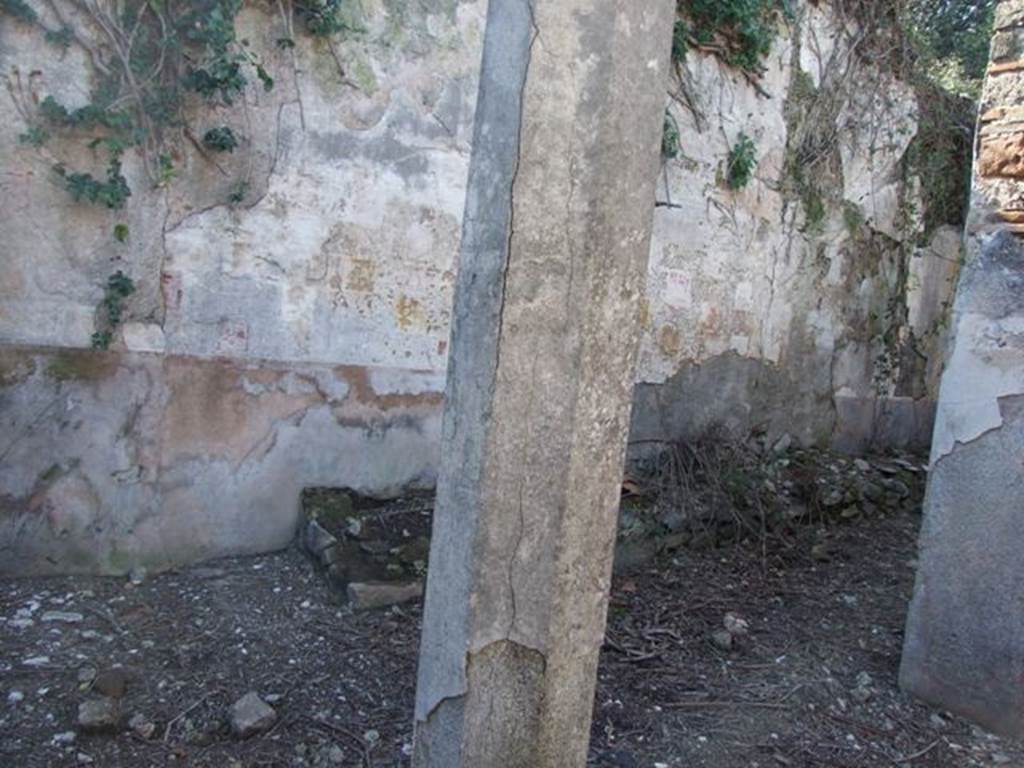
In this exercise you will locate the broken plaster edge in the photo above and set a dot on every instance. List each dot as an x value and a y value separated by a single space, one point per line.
973 386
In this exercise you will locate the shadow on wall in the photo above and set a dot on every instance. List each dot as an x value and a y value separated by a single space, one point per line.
745 397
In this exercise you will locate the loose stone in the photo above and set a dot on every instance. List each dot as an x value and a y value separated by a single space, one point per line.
365 596
250 715
99 714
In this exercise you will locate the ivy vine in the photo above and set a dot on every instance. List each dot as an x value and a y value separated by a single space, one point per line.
670 141
740 32
112 193
153 59
118 288
153 63
741 163
220 139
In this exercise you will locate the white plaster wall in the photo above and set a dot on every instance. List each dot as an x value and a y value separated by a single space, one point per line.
339 262
741 275
344 250
729 270
344 247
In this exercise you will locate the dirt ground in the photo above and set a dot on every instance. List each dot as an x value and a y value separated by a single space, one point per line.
812 682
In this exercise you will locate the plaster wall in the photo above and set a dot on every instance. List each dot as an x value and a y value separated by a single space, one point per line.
336 264
764 316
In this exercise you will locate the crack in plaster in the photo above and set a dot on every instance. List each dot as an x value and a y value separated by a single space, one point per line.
514 556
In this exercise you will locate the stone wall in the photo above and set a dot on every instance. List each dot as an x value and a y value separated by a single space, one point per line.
814 306
298 335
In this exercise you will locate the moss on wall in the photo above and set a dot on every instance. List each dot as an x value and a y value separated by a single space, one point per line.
82 365
15 366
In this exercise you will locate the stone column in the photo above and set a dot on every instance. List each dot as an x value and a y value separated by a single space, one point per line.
964 646
546 322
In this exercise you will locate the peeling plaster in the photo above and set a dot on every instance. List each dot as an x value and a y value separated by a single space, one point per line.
984 369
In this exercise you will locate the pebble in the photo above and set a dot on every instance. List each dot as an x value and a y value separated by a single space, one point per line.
64 617
141 726
735 625
250 715
834 498
722 639
111 682
68 737
368 595
821 552
318 539
98 714
15 697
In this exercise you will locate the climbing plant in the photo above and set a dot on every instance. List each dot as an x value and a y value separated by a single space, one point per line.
149 55
220 139
20 10
950 42
118 288
165 76
152 59
670 138
322 18
740 32
741 162
112 193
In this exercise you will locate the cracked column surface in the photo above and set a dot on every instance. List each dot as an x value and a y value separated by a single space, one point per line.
545 329
964 645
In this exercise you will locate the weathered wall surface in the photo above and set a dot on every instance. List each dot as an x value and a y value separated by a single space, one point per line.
296 337
117 459
963 648
341 248
231 385
812 301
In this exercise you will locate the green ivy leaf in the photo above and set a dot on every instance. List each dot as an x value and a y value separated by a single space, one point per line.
265 78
